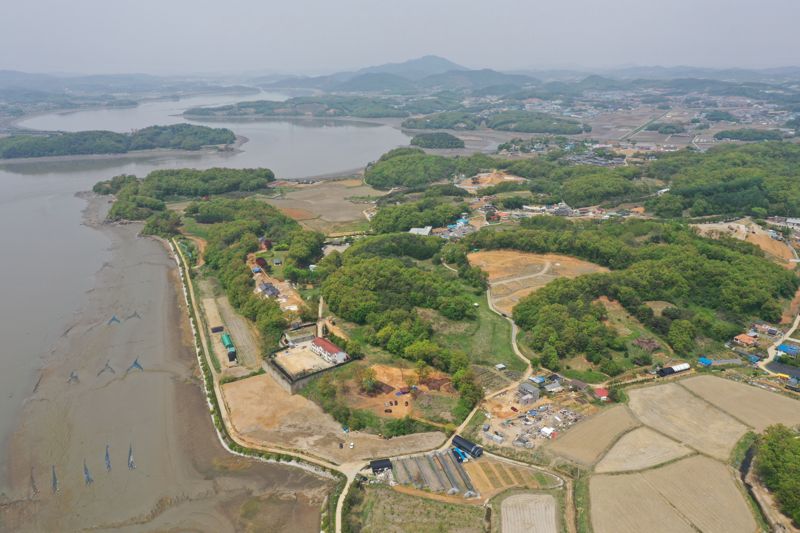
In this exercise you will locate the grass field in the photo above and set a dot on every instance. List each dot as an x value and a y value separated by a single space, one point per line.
381 509
487 340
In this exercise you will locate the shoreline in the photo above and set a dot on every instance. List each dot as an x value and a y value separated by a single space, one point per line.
158 413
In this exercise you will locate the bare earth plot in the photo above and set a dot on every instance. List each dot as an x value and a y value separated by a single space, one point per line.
676 412
641 448
514 275
703 490
746 230
529 513
753 406
587 440
629 504
324 206
263 413
490 476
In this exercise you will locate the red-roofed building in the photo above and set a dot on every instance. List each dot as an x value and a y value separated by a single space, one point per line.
328 351
601 394
745 340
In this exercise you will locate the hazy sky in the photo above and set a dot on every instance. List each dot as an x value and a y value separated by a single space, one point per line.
185 36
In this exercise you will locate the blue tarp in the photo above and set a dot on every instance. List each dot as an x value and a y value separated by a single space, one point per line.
537 379
256 270
790 349
705 361
754 359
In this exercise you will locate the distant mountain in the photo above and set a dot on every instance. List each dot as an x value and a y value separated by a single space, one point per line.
377 82
475 79
777 74
415 69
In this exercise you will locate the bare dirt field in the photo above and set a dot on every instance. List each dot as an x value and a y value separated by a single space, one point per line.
755 407
616 124
263 412
324 205
529 513
704 491
514 275
629 504
393 379
587 440
746 230
674 411
641 448
487 179
300 359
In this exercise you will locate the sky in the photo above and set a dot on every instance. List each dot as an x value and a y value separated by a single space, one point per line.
320 36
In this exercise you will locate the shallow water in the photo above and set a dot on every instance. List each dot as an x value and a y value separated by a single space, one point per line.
49 258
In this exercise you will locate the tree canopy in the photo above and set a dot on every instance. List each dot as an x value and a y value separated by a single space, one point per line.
437 140
178 136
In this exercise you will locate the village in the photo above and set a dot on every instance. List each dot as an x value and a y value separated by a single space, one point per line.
529 425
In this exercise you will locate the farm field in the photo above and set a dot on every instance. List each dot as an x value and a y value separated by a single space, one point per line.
704 491
389 511
639 449
490 477
529 513
325 206
514 275
263 413
674 411
587 440
629 504
755 407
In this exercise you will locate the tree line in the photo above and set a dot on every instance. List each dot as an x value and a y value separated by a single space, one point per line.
178 136
144 199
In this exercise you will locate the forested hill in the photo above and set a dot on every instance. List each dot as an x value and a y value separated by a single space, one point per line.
714 287
177 136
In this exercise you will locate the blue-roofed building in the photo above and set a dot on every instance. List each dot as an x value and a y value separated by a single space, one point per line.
789 349
705 361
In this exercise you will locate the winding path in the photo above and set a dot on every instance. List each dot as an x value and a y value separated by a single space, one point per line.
350 470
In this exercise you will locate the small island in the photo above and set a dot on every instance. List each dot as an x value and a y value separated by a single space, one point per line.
437 140
174 137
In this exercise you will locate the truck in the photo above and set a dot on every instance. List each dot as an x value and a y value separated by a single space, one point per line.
228 344
460 456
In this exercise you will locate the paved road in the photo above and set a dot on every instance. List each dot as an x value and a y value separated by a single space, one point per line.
771 351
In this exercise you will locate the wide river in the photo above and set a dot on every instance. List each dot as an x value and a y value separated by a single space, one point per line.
50 258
